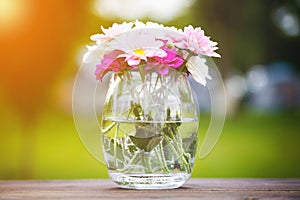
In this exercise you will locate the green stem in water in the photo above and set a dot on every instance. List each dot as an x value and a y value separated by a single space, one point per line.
178 151
162 162
146 161
132 159
115 145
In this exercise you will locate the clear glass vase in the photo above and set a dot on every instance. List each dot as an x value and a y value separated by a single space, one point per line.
149 129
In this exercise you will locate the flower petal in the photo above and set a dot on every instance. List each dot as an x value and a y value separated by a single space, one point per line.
199 70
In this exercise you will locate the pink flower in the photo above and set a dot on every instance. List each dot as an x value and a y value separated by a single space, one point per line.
162 64
195 41
111 62
171 60
135 57
111 32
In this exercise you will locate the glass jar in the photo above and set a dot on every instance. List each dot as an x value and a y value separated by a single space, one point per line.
149 129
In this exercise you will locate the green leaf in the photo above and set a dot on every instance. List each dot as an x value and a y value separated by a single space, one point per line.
146 138
146 144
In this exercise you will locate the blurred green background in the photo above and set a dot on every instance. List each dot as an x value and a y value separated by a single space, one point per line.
41 45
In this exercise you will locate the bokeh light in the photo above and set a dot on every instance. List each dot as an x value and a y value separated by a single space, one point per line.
162 11
287 21
14 14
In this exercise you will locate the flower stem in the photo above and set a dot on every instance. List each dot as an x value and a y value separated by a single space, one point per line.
115 145
179 152
146 161
132 159
163 159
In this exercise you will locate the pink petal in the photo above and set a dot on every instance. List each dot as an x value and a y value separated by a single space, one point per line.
163 70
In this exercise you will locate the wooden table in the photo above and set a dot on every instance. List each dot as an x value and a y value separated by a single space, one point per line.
240 189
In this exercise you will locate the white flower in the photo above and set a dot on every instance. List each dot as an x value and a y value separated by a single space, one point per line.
136 39
111 32
198 69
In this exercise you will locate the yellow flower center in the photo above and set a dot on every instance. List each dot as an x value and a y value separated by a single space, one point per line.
139 51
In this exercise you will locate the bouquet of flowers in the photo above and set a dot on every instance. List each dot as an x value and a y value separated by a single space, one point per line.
169 52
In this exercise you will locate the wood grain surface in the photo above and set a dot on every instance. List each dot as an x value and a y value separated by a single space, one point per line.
241 189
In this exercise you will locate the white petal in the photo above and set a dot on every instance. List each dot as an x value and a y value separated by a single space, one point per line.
151 52
135 40
199 70
139 24
154 25
96 37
